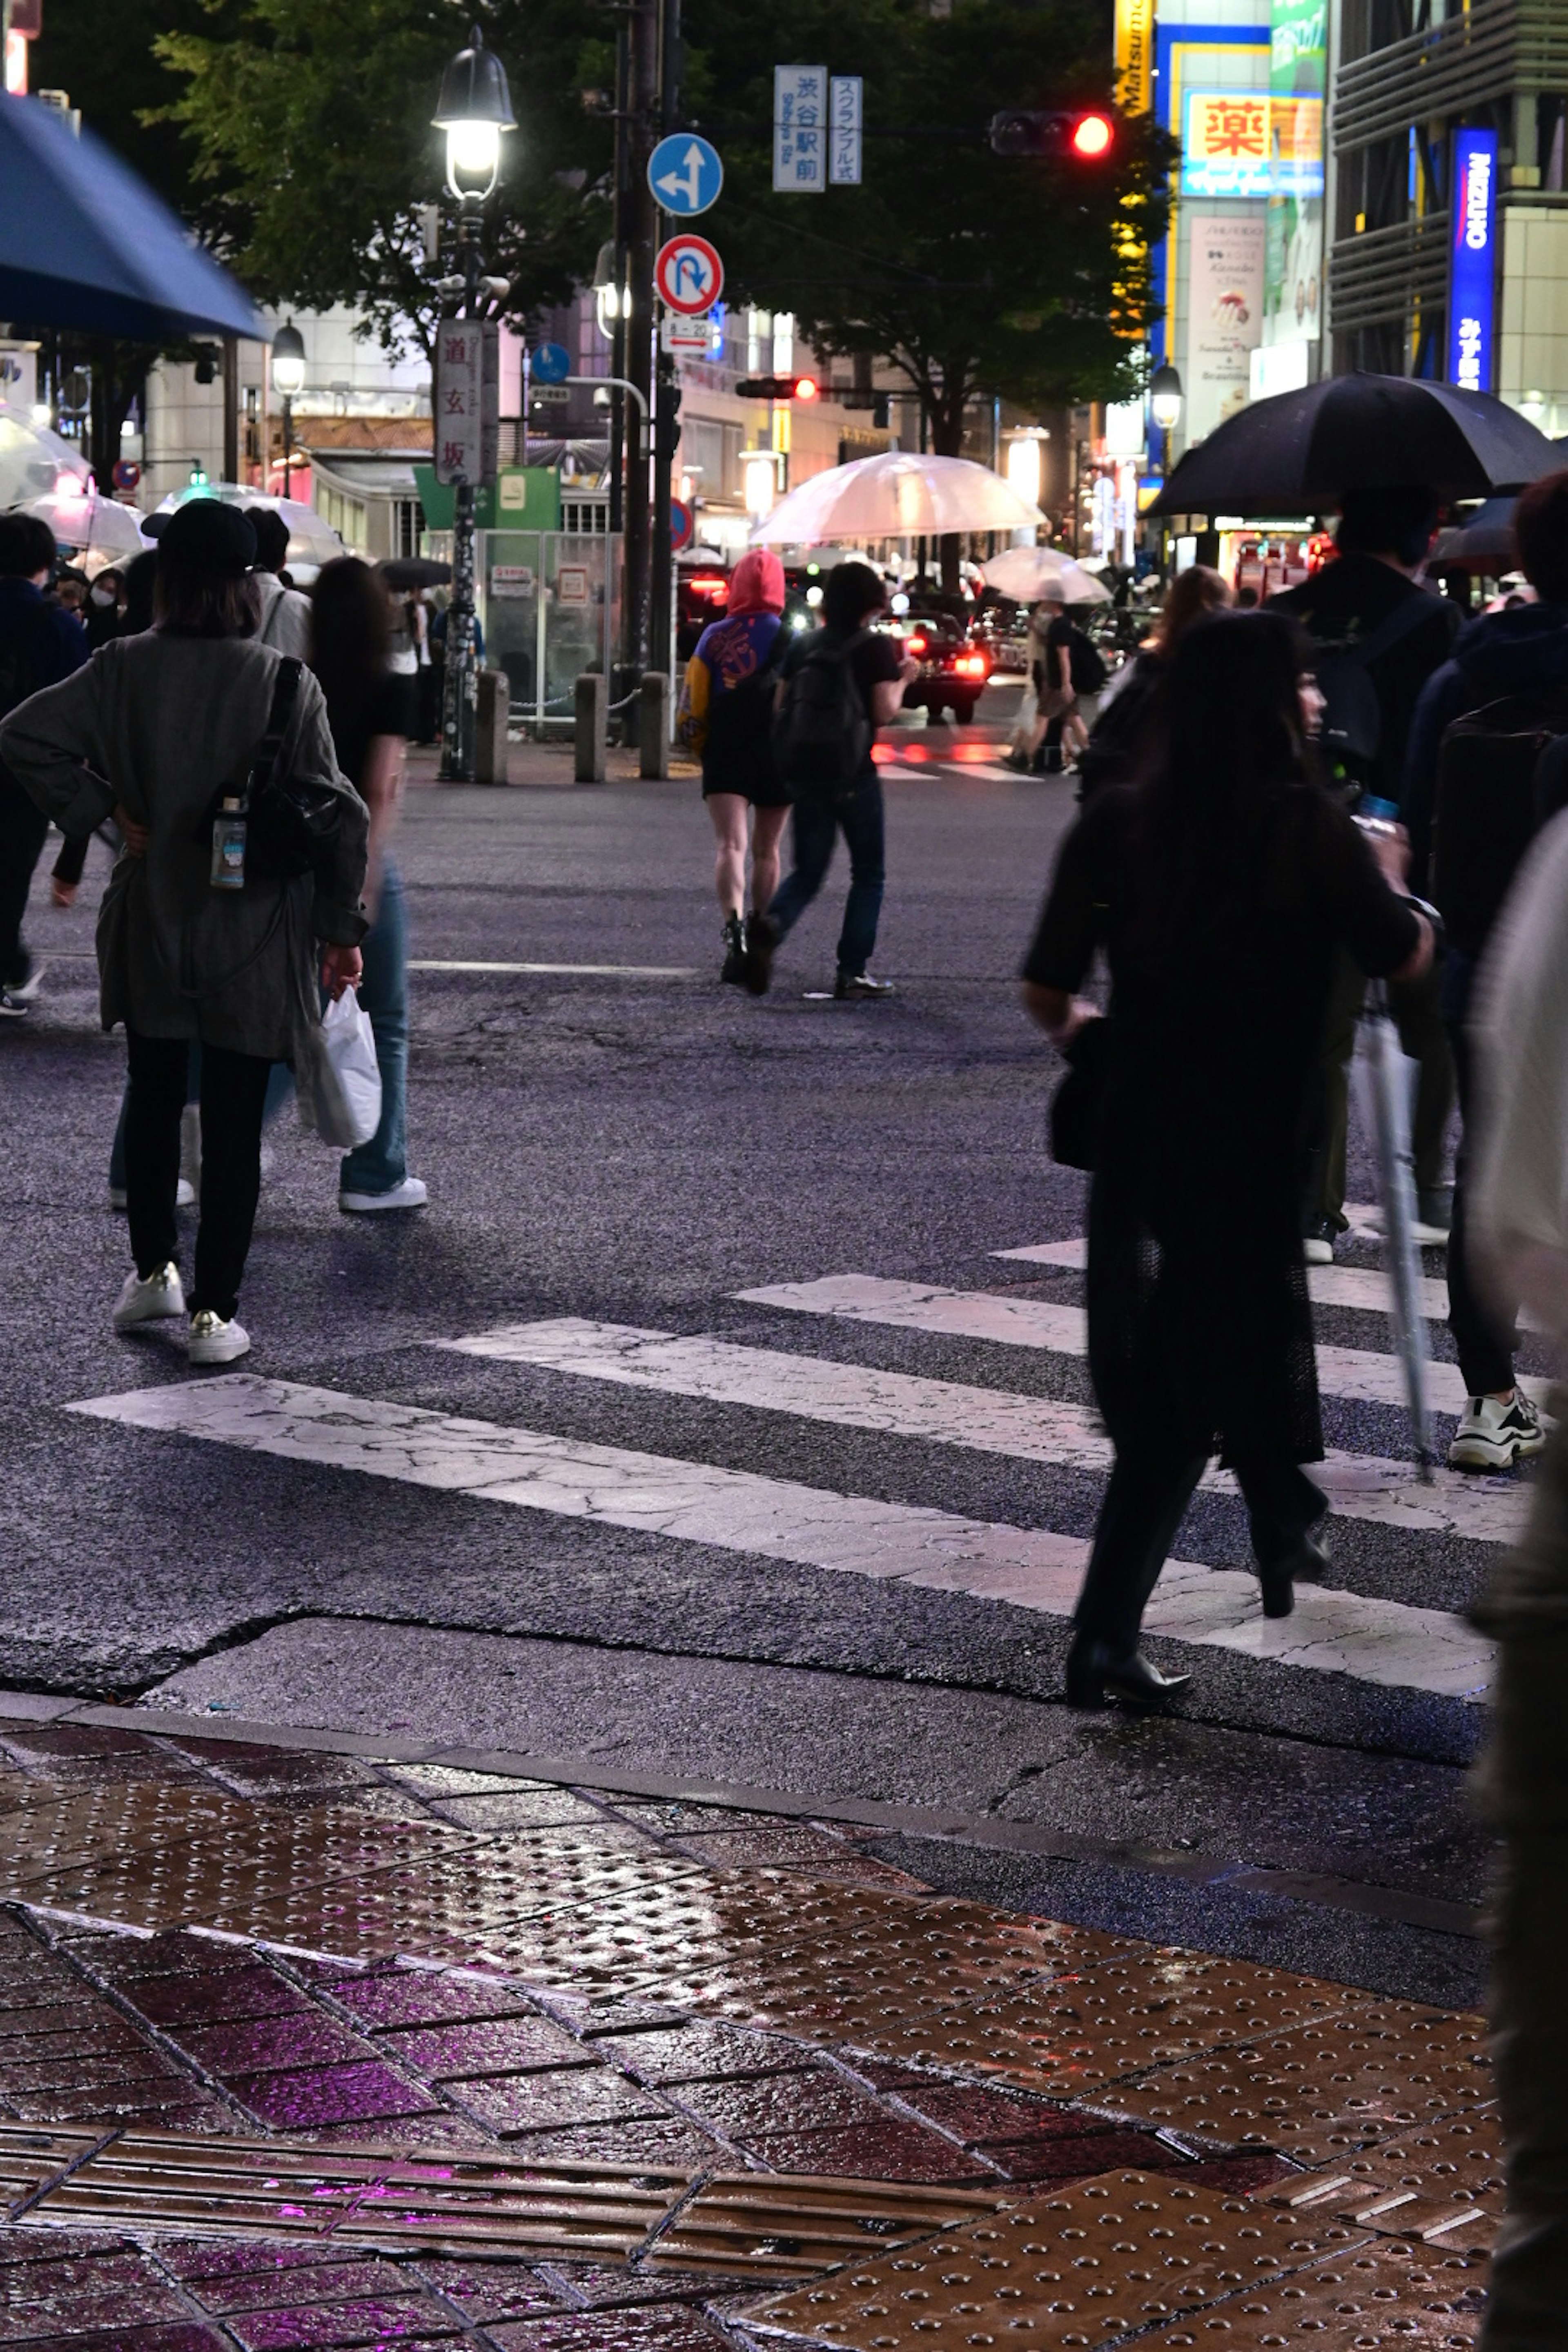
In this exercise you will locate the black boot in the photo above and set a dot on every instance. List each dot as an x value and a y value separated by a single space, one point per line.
734 938
763 937
1303 1564
1095 1671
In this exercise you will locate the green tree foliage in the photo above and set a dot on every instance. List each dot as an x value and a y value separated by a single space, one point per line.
972 272
312 118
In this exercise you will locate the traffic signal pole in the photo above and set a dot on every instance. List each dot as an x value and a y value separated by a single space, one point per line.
641 225
666 393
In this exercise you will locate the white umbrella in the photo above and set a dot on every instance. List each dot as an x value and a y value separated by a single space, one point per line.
1025 573
34 460
312 538
900 494
96 530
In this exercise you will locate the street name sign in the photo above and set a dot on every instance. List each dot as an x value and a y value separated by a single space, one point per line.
685 174
466 401
844 126
800 129
689 274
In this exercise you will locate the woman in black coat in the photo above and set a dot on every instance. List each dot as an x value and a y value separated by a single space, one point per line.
1220 890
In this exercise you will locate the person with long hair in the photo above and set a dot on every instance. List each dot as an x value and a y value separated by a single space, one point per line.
157 732
726 717
370 708
1220 889
1120 741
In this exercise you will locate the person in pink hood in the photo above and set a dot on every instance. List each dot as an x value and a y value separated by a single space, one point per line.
726 717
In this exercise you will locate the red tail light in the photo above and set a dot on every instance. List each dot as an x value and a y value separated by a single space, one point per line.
971 665
916 644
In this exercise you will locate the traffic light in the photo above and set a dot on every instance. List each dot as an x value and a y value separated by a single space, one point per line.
667 418
1080 135
778 387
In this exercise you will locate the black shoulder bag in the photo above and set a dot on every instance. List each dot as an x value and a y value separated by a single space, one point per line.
292 827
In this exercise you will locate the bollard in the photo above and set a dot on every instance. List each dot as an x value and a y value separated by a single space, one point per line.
489 733
592 708
653 713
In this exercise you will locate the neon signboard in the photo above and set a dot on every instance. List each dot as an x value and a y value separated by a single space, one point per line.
1472 260
1251 143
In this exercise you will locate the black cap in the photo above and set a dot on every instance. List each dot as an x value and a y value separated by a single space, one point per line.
204 535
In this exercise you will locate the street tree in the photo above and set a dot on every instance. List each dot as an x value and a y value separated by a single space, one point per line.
972 274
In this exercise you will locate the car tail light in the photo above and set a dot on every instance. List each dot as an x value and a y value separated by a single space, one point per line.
916 644
971 665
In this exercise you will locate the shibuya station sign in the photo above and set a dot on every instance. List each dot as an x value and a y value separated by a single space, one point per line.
1472 260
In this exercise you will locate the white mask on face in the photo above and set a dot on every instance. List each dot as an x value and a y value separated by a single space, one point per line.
103 595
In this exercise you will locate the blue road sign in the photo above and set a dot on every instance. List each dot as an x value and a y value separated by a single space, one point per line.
551 363
685 174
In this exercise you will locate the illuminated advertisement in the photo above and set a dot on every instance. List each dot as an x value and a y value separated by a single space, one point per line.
1135 55
1293 271
1471 261
1245 143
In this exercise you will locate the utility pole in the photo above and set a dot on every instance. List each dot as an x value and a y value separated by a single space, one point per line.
667 399
641 227
620 232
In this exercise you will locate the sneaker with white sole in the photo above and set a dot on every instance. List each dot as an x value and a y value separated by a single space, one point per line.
185 1198
1492 1436
1318 1246
410 1194
151 1300
214 1341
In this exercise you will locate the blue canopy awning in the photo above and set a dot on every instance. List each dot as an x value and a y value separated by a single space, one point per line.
85 244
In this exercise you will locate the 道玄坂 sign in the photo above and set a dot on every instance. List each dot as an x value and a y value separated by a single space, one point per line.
1472 291
466 401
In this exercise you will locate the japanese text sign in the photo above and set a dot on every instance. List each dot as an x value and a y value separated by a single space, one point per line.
800 128
466 401
843 108
1472 260
1245 143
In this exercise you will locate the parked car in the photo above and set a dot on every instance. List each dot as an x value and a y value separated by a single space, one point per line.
953 665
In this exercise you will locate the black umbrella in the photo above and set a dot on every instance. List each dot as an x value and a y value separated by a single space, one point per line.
85 244
1296 453
414 571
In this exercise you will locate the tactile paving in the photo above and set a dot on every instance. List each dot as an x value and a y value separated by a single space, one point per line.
1325 2089
1381 2298
753 2222
1122 2253
1454 2222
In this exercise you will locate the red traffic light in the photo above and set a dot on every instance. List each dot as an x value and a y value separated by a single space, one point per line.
805 387
1092 135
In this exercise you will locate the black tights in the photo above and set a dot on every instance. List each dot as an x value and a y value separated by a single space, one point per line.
234 1089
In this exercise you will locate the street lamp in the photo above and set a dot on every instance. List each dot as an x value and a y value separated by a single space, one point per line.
473 110
289 376
1165 402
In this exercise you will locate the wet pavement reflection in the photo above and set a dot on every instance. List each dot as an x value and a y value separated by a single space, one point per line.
302 2049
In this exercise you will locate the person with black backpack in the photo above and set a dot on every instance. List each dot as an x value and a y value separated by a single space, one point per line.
39 643
727 718
1472 803
839 684
1378 634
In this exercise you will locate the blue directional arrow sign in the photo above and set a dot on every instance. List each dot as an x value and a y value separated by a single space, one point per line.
685 174
551 363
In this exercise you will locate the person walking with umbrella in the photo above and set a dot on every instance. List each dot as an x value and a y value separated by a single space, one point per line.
1220 889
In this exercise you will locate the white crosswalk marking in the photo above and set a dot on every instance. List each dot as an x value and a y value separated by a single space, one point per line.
988 1421
1327 1286
1375 1641
1360 1372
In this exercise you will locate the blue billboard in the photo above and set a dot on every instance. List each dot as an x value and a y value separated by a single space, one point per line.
1472 268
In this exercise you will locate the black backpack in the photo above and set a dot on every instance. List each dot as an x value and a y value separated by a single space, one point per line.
1086 666
1352 733
1487 809
822 733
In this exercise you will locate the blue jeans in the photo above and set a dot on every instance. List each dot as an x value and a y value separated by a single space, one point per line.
816 824
380 1166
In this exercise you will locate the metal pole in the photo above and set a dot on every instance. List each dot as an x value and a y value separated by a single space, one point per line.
661 648
460 682
620 232
287 439
642 224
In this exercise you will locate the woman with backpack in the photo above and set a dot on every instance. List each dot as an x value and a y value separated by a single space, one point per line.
726 717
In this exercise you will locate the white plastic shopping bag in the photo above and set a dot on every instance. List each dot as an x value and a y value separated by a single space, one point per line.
346 1073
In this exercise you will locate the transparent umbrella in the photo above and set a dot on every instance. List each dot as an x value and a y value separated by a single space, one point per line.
898 494
94 531
32 461
1025 573
312 541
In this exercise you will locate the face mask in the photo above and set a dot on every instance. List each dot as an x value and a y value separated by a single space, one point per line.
103 595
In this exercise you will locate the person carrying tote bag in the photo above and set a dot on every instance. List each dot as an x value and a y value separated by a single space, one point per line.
202 935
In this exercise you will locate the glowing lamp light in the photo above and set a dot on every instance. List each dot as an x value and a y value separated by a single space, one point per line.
288 362
1023 468
760 477
1165 397
805 387
475 108
1091 136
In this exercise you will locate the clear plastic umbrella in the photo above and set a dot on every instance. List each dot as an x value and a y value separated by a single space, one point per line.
898 494
312 541
96 531
32 461
1025 573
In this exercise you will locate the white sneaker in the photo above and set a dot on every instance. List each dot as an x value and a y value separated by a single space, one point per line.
214 1341
1494 1436
185 1198
149 1301
410 1194
1318 1250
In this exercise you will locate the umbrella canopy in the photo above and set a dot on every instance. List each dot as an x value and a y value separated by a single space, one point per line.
86 244
1485 543
312 538
1299 451
32 461
414 571
1025 573
96 530
898 494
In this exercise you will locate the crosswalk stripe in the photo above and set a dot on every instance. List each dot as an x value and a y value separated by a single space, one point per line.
1362 1486
1327 1285
1368 1375
1377 1642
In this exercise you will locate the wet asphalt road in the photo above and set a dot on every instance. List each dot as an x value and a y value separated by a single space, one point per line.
637 1151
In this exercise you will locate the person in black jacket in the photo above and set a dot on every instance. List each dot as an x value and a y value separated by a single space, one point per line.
39 644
